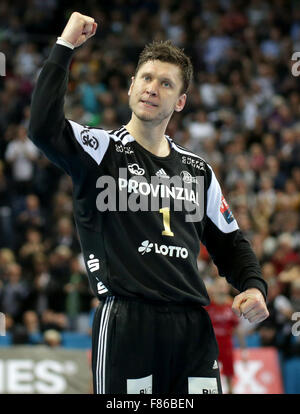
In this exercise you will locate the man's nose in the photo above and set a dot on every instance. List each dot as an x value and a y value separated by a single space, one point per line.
152 88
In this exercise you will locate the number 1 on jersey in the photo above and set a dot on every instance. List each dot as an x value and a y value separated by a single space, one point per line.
166 218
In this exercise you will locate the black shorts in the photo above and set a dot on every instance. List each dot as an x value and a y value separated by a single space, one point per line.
140 347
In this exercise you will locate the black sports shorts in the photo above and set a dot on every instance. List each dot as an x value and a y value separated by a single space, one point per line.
140 347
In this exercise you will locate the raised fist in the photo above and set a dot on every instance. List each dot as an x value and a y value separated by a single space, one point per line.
79 29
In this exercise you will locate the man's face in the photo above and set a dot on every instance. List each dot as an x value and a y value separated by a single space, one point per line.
155 92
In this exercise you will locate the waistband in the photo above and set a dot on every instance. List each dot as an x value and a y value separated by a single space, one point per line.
175 306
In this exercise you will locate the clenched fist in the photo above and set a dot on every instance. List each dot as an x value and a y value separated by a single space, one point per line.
251 304
79 29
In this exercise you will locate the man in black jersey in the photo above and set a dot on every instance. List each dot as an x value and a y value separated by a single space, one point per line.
151 333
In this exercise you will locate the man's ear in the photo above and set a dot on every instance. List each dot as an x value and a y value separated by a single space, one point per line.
180 102
131 85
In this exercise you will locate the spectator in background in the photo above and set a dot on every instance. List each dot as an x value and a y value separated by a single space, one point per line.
269 272
59 266
215 48
53 320
225 324
52 338
273 329
31 216
32 327
27 60
14 292
7 257
89 91
78 294
32 245
21 154
295 294
65 235
40 284
240 170
93 306
285 255
6 219
62 206
200 129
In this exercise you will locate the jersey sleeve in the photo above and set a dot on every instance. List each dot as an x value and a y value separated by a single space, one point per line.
64 142
227 245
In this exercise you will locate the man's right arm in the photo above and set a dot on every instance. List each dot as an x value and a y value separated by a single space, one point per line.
48 128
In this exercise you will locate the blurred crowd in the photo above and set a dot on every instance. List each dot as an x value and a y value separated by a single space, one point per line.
242 116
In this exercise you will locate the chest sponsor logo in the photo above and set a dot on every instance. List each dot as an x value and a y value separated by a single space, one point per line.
225 210
122 148
187 177
135 169
88 139
171 251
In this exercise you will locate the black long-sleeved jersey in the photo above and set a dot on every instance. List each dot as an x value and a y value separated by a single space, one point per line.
135 239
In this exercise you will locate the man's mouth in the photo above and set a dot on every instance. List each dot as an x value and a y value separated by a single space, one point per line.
148 103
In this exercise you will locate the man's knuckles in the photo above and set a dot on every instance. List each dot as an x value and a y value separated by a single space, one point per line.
251 303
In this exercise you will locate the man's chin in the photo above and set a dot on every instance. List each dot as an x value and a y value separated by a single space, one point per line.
145 117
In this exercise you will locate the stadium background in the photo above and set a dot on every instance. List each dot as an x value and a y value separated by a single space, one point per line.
242 116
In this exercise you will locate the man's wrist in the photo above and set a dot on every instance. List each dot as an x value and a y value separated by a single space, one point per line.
253 290
256 283
64 42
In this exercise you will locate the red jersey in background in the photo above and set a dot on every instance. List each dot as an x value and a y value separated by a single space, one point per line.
224 321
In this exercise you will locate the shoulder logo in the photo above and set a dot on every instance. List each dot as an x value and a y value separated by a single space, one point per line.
225 210
135 169
88 139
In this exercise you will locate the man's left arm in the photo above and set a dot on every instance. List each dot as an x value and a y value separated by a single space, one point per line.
234 256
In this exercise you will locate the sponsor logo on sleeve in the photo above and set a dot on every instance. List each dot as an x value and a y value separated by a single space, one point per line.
225 210
88 139
93 263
